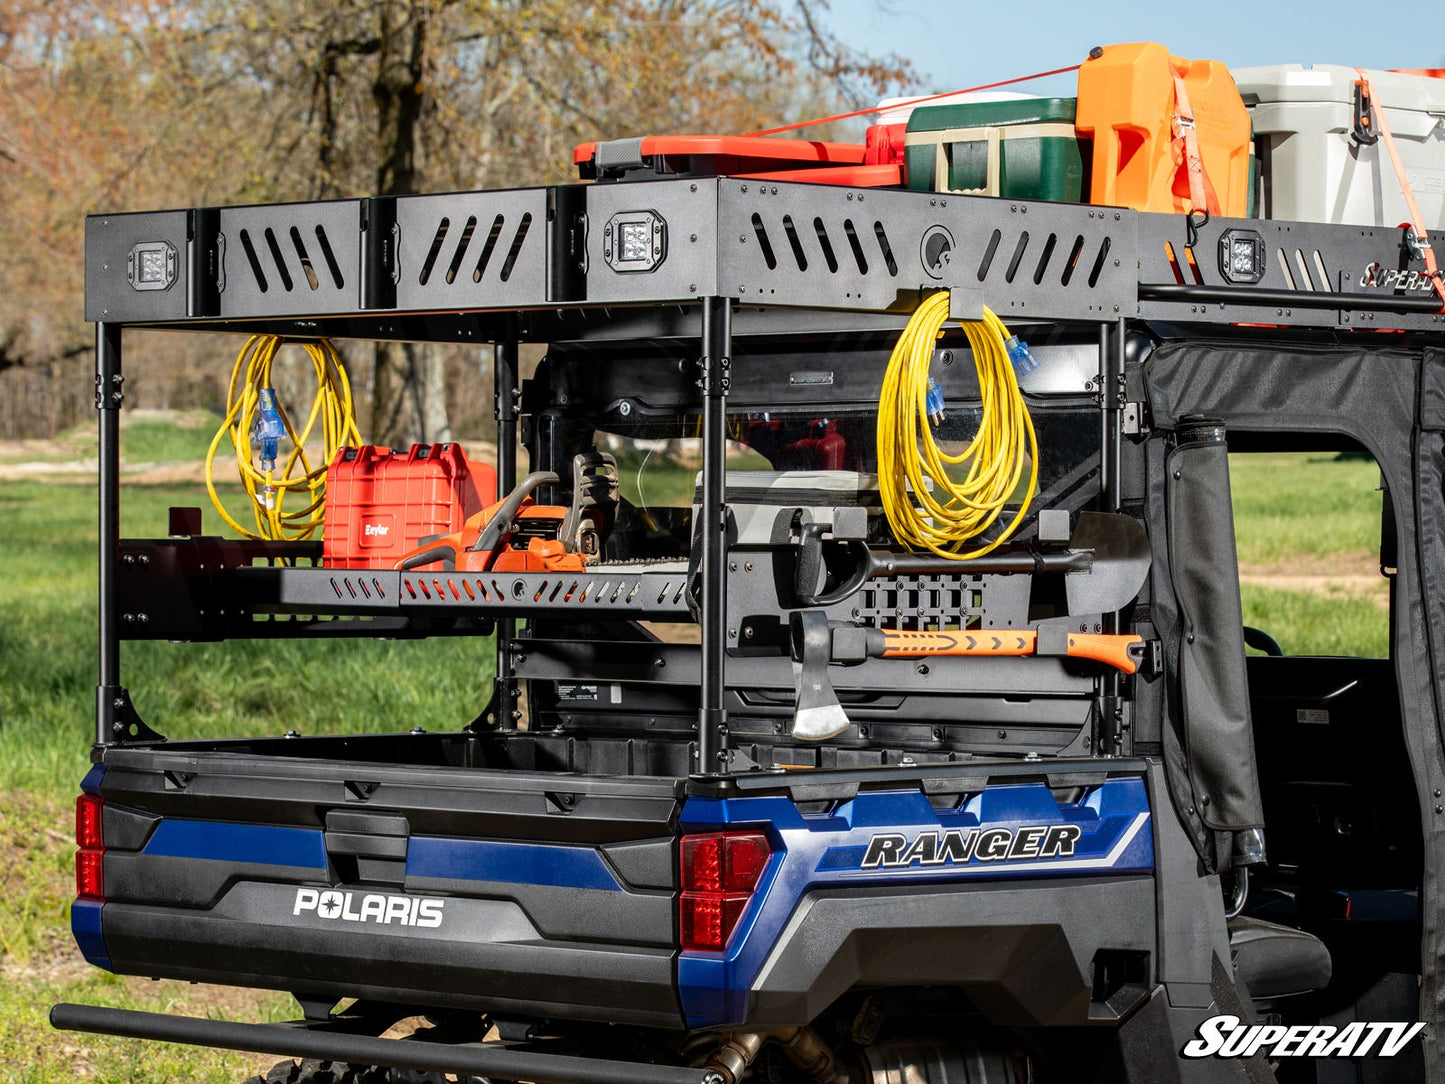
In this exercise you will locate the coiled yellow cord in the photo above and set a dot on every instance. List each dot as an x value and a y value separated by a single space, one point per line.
954 512
332 409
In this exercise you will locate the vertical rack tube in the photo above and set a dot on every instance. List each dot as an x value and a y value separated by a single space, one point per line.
108 399
504 373
716 367
1111 436
1111 396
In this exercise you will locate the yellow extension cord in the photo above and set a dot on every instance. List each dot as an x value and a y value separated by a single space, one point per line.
954 512
332 409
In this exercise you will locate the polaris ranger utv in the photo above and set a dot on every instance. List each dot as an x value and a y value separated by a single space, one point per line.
771 786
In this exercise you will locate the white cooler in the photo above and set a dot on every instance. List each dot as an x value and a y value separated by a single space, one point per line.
1315 171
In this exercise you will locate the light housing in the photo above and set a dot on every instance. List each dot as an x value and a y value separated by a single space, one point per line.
720 871
90 839
634 241
1241 256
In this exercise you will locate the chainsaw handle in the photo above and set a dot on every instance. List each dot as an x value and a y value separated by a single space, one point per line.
437 551
501 521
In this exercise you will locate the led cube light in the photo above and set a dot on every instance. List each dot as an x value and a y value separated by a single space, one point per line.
151 265
1241 256
634 241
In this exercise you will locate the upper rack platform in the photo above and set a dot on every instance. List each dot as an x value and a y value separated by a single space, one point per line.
435 266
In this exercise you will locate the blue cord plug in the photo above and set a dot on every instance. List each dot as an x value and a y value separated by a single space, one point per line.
1019 353
268 428
934 402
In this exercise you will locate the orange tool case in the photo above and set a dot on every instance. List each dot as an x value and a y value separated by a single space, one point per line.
381 503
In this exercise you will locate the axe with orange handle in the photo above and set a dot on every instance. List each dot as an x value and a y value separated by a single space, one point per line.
816 643
1123 651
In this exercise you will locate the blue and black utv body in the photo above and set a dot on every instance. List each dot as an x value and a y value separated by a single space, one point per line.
1005 856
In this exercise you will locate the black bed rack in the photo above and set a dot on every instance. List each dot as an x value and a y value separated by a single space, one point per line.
691 258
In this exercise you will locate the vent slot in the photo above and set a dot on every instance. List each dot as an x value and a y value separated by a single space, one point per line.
1304 270
760 231
488 248
436 247
1104 255
1044 258
856 245
521 235
828 255
1320 267
1018 257
1073 261
280 259
885 248
989 251
1193 265
463 243
330 257
1173 258
1284 266
799 256
254 261
306 268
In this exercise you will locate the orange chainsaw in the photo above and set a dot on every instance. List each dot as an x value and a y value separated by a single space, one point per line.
519 535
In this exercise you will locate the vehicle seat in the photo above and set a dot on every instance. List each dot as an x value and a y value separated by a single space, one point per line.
1275 961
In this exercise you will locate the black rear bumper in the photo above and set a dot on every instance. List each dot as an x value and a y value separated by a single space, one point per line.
321 1041
487 957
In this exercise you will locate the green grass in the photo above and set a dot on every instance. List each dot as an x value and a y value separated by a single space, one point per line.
181 437
1309 623
1290 505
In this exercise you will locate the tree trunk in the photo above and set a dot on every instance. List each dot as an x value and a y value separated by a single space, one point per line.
407 401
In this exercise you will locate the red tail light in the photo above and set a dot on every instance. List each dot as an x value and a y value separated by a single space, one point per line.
90 838
720 870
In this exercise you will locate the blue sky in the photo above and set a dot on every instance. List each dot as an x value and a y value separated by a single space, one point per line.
956 45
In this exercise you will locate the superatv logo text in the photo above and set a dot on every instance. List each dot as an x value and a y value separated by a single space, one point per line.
370 907
1392 279
1227 1037
975 845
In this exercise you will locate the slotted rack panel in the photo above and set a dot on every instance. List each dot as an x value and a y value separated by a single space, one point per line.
289 259
1303 259
830 247
481 250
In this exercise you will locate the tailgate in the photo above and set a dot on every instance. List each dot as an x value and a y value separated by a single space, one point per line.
538 893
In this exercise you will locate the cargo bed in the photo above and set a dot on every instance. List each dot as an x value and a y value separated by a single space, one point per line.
255 868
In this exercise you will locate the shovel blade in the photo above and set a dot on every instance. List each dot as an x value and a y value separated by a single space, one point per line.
1121 563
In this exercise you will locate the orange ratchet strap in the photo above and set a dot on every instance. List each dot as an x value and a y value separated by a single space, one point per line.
1422 238
1202 196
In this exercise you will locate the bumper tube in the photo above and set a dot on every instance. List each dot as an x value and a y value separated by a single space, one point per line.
295 1040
